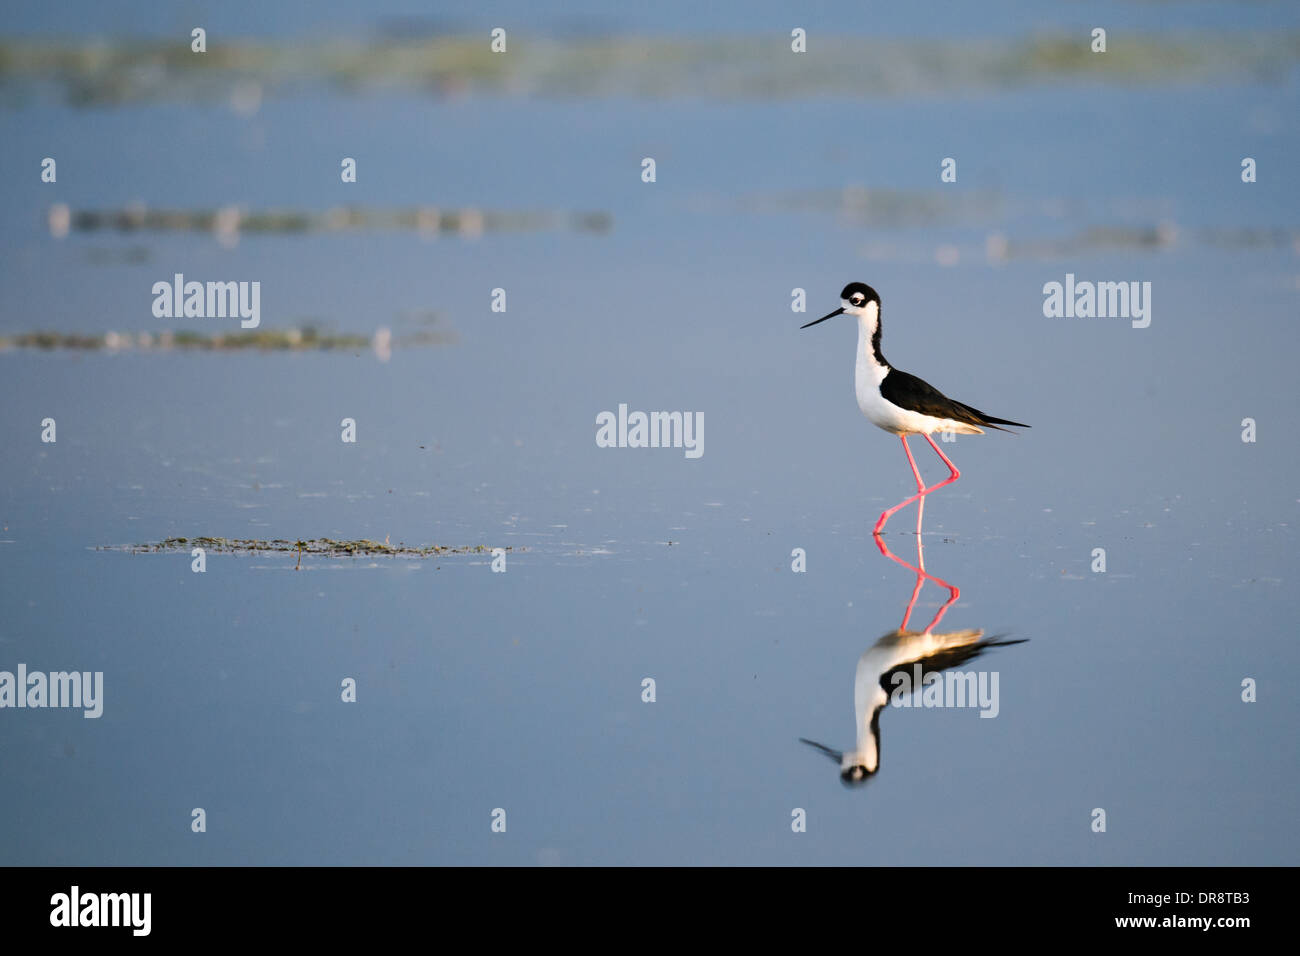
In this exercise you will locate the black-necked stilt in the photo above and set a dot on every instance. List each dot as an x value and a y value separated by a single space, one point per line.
900 403
897 652
901 651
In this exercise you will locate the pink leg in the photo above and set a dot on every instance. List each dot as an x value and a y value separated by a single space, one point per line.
951 467
916 472
922 491
920 505
920 488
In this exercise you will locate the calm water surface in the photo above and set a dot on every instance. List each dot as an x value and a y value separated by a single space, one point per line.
522 690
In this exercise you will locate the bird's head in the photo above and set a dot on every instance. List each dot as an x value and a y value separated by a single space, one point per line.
855 774
856 768
858 299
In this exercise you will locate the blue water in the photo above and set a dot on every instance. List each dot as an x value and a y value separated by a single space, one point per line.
522 691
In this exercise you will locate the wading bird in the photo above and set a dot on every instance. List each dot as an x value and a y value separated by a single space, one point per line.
900 403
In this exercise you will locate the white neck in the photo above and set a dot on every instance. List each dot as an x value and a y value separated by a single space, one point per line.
868 697
870 372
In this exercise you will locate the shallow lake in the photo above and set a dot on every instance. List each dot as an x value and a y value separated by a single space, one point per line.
522 691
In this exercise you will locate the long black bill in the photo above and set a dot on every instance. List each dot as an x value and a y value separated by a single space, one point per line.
835 755
823 318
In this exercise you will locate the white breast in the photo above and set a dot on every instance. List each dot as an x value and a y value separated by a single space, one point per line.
885 414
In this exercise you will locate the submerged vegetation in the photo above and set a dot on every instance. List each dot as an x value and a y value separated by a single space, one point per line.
258 340
230 222
321 546
1156 228
100 72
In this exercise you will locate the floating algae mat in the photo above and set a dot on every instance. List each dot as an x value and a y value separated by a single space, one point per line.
265 340
230 222
325 546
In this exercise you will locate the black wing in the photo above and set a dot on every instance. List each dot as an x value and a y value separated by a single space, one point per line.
944 660
908 391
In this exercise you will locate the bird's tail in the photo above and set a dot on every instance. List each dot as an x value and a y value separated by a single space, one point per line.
995 422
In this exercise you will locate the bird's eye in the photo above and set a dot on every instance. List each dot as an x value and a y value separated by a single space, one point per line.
856 300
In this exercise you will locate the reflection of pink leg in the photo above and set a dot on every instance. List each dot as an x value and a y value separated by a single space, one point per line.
922 491
916 593
921 576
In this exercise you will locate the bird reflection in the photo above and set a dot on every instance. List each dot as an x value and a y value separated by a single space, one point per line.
901 650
